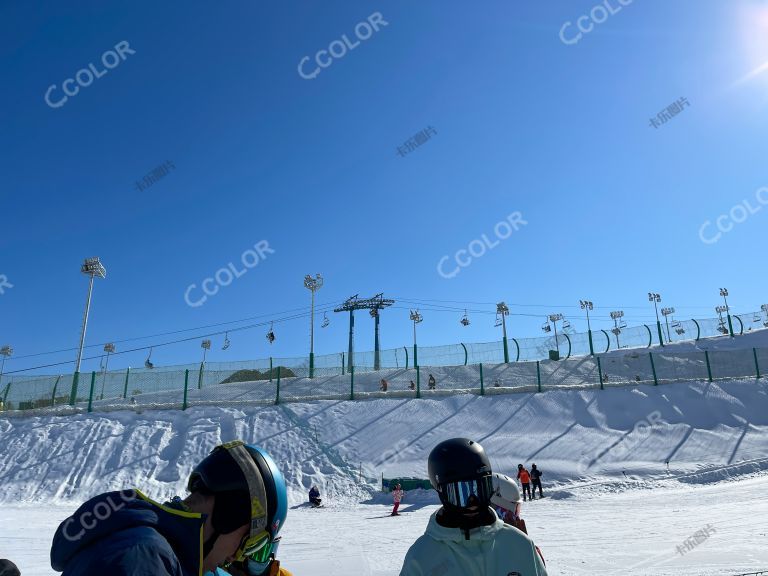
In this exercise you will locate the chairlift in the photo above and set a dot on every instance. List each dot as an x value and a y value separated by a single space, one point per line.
226 341
616 331
676 324
756 318
101 364
147 363
546 327
680 331
465 319
498 321
566 324
271 333
622 324
326 322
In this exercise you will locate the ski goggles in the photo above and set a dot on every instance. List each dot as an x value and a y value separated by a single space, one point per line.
258 563
467 493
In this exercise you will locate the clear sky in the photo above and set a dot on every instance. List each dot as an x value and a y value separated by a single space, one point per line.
524 113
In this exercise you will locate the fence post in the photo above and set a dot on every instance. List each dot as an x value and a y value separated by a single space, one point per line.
709 367
73 393
90 395
125 389
406 356
352 382
600 372
55 385
343 367
270 368
418 382
277 397
482 385
200 377
757 366
538 374
653 367
5 395
466 354
186 387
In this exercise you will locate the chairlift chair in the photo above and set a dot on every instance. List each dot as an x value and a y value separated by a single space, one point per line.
546 327
147 363
465 319
271 333
326 322
226 341
566 324
756 318
498 321
676 324
622 324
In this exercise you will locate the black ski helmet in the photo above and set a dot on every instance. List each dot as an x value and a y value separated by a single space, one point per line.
460 460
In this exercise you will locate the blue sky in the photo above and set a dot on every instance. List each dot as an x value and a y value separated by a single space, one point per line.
522 122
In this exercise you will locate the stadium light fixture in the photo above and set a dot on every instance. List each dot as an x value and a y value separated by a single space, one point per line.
417 319
503 310
618 323
656 298
109 348
587 305
724 294
667 312
5 351
313 285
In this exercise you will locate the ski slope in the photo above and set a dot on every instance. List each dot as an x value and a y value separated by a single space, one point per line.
604 454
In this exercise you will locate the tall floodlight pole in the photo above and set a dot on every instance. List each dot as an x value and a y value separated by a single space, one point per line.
91 267
724 294
503 310
313 285
666 313
109 349
656 298
587 305
616 316
5 351
205 345
417 318
554 318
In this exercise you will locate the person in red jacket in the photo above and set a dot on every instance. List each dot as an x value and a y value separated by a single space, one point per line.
397 496
525 479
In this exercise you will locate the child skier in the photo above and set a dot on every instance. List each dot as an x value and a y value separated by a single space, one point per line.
397 496
525 479
432 382
465 537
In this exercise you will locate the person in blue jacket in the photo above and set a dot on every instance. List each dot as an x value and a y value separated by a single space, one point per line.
465 537
314 496
231 513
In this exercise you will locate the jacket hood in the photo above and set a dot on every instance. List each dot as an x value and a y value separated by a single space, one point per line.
114 512
479 534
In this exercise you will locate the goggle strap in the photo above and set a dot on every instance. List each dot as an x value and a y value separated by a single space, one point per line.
256 489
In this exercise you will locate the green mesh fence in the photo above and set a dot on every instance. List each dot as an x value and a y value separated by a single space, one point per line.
632 355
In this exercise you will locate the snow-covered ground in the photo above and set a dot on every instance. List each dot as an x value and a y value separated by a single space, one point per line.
631 472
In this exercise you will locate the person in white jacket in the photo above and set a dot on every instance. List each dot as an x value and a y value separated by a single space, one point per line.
465 537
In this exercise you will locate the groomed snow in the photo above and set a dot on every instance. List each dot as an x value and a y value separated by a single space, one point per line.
614 506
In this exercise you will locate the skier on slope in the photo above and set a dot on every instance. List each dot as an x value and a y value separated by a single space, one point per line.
233 511
525 479
465 537
314 496
397 497
536 475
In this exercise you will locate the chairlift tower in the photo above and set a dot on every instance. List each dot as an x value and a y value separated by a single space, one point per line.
374 304
724 294
503 310
313 285
588 305
617 316
656 298
666 312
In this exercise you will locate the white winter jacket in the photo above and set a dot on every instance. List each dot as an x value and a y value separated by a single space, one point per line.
495 550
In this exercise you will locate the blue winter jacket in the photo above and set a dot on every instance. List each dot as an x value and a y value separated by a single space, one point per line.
127 534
